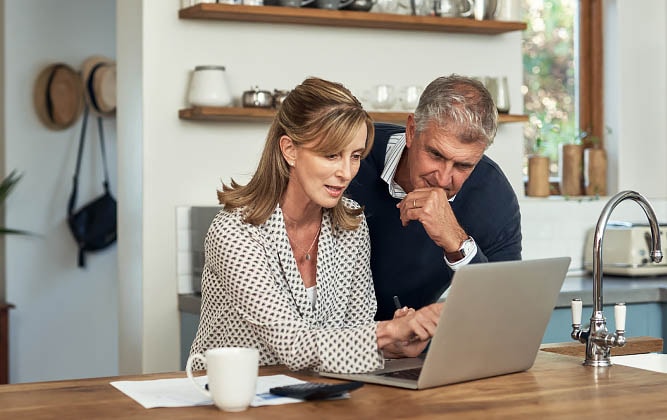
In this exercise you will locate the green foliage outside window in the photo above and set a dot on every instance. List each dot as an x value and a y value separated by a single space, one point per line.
549 75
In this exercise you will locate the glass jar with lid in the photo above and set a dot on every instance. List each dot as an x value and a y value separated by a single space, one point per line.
209 87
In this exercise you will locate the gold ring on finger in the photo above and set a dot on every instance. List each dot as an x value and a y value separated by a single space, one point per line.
414 203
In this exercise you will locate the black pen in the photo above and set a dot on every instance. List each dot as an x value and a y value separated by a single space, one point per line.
397 303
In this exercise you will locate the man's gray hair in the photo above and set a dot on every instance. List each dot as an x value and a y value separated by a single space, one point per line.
459 105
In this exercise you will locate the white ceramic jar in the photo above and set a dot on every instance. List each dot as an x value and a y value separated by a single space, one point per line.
208 87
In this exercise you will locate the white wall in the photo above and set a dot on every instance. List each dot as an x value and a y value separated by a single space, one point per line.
184 161
636 63
65 321
164 162
130 186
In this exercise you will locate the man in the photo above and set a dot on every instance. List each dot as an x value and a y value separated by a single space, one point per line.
433 201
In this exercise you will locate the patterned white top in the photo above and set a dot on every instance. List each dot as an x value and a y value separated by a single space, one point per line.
253 296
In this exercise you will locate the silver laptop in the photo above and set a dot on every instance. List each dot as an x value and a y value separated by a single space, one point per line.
492 323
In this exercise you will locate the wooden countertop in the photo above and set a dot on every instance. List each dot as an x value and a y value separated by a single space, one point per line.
557 386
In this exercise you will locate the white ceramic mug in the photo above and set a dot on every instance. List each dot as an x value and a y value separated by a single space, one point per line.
509 10
498 87
232 376
453 8
484 9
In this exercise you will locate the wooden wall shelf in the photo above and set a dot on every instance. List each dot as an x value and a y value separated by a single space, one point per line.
266 115
347 18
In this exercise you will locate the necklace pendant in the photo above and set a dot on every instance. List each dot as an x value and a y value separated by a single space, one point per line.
307 257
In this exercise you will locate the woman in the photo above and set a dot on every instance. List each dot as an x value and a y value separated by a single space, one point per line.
287 259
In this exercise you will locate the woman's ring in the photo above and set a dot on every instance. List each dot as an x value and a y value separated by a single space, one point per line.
414 203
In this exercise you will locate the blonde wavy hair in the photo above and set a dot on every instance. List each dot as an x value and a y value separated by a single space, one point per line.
320 114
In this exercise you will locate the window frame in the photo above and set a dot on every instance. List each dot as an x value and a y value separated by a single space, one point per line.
590 89
591 70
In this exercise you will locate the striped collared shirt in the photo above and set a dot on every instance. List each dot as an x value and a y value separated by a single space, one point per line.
395 147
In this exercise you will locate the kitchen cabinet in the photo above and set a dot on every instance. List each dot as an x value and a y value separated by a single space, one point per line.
266 115
189 326
643 319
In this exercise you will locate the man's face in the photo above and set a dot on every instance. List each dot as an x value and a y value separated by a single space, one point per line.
437 158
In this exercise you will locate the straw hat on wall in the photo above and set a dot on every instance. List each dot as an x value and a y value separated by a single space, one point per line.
58 96
99 83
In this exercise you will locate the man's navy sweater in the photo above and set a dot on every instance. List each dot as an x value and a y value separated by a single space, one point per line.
404 260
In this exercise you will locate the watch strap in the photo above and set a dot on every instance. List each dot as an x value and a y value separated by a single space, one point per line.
454 256
459 254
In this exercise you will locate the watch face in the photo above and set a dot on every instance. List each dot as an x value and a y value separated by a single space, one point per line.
468 247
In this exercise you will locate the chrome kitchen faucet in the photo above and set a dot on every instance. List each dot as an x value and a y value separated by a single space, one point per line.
597 339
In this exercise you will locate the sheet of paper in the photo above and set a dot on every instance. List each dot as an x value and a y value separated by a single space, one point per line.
181 392
656 362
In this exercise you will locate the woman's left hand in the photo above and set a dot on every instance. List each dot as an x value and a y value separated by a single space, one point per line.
400 349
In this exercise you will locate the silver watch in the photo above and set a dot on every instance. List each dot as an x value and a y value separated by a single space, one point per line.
467 247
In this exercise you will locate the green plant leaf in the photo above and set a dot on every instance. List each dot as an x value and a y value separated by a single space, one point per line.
6 187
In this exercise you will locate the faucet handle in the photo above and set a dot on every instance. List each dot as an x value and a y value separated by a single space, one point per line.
576 311
619 316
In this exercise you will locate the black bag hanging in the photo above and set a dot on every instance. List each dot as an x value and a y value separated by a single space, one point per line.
93 225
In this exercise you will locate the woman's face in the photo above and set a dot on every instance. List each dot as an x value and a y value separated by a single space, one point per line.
323 179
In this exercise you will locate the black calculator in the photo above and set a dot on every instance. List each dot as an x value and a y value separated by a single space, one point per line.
315 390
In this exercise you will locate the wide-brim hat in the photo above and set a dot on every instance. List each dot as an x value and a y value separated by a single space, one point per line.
58 96
99 84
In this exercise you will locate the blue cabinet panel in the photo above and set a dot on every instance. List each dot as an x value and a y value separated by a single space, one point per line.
643 319
189 325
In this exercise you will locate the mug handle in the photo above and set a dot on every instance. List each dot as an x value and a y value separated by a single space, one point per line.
188 371
345 3
469 11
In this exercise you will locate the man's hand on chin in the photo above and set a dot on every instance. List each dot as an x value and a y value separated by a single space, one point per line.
432 209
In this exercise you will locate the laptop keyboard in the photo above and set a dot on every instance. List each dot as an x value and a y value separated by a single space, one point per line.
412 374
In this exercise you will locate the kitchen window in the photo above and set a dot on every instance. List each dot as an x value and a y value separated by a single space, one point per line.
562 89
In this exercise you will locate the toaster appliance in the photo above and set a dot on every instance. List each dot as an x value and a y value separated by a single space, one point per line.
626 250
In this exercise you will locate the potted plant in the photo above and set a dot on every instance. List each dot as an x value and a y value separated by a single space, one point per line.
6 187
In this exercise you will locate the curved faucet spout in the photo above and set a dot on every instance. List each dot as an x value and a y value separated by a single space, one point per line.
656 249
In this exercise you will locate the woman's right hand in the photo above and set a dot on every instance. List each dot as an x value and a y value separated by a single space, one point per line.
404 311
409 325
416 325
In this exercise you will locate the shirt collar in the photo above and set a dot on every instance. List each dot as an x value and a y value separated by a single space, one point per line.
395 147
